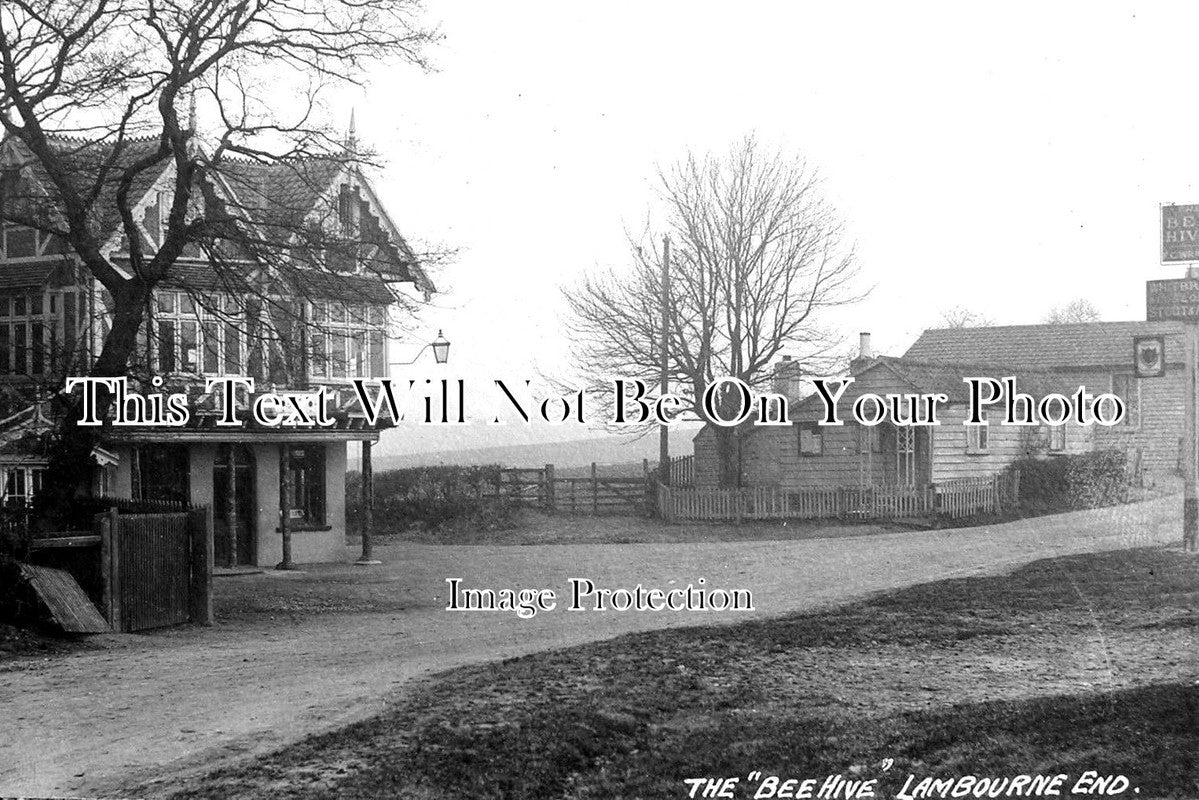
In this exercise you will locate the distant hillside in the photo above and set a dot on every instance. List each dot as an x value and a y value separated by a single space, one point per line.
603 450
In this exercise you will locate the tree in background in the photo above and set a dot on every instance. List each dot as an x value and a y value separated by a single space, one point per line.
962 317
97 92
757 256
1079 310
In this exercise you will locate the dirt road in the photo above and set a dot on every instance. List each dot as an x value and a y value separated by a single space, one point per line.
148 709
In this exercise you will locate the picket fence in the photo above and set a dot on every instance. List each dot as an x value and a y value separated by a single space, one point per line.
954 499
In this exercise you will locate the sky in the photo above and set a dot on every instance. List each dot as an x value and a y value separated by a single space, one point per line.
1005 158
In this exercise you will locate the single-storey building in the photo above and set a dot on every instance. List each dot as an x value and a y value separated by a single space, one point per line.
1042 358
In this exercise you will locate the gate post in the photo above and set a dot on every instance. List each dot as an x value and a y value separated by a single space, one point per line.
551 502
199 535
108 570
111 522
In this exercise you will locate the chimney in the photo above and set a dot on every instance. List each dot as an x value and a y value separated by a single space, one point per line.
786 378
865 354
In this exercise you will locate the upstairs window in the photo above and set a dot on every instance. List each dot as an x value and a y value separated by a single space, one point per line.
31 333
347 341
198 338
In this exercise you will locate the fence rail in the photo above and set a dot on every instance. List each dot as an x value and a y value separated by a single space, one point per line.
954 499
594 493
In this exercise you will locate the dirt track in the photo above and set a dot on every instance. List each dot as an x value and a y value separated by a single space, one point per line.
152 708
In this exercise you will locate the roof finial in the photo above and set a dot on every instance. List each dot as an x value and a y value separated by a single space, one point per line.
352 135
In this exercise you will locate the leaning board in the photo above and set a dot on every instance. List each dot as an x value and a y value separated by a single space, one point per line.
68 604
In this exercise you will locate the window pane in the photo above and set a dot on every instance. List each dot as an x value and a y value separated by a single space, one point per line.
358 354
20 357
5 349
166 346
338 356
4 306
38 349
232 350
186 304
165 302
320 359
35 304
18 306
212 346
188 355
378 355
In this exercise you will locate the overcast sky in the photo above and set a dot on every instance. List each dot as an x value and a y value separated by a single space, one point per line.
1007 159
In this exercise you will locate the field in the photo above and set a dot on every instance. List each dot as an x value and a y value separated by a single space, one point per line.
1069 664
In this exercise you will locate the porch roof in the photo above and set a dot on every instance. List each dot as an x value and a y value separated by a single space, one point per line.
203 428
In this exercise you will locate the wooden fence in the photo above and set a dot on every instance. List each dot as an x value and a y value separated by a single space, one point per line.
682 471
142 570
954 499
543 488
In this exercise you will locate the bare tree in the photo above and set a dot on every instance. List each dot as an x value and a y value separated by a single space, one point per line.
1079 310
96 93
962 317
758 254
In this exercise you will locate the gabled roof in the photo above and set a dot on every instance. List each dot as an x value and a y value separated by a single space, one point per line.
275 198
1045 347
86 160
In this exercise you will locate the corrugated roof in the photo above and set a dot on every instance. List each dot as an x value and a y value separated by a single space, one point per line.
1044 347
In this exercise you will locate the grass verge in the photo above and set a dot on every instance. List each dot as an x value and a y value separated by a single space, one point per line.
1070 664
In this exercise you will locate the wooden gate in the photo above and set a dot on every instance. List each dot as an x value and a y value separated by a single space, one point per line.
159 569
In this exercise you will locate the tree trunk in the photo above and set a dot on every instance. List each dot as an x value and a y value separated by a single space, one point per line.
728 456
70 465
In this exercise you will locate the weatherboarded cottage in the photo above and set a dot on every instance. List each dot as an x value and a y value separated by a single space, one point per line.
1097 355
1042 359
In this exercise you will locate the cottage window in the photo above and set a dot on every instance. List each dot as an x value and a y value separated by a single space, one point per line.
1057 438
1128 389
978 436
305 497
21 484
811 440
868 439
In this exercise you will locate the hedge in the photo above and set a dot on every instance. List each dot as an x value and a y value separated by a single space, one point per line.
430 497
1083 480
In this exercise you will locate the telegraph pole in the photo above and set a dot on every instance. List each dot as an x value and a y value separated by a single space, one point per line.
1190 495
664 387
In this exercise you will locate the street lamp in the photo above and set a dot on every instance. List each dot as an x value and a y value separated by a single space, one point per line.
441 353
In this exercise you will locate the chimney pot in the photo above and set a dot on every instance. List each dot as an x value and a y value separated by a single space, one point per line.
864 349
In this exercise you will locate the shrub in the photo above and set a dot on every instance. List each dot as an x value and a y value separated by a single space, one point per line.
1083 480
431 497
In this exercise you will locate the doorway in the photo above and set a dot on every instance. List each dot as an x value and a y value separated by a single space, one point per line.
233 506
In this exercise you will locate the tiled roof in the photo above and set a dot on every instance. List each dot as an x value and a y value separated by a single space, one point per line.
276 197
15 275
1044 347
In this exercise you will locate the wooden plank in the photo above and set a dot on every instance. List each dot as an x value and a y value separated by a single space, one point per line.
68 604
89 540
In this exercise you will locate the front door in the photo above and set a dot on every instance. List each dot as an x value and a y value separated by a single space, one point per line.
233 506
905 455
